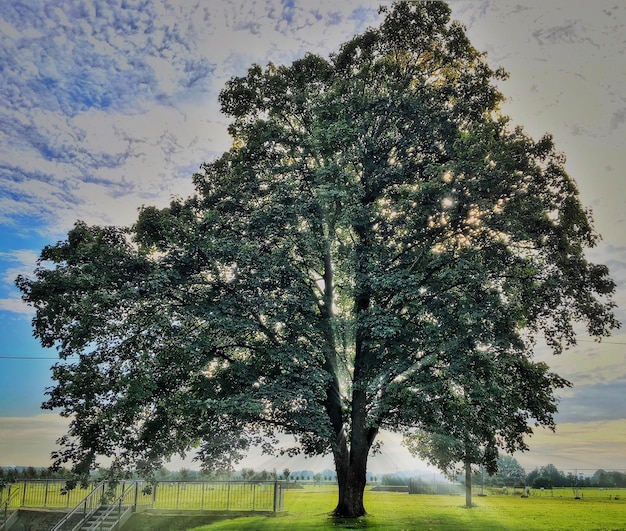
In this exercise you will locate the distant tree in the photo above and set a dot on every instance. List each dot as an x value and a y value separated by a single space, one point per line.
30 473
262 475
375 220
531 476
162 474
604 478
286 474
247 473
618 479
510 472
556 477
542 482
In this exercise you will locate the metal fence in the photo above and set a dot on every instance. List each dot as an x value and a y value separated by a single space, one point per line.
181 495
555 492
224 496
436 488
44 493
424 487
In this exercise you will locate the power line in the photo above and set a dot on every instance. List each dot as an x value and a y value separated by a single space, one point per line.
600 342
27 358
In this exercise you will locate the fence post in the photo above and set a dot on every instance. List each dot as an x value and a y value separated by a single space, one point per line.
228 498
24 494
45 496
275 495
278 496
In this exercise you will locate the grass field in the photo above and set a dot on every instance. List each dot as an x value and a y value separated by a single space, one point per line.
310 508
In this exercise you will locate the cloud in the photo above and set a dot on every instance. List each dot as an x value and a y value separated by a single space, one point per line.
22 259
597 402
15 305
586 446
12 264
108 107
568 32
618 119
28 441
60 67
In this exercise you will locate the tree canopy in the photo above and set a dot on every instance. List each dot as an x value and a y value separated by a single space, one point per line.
377 238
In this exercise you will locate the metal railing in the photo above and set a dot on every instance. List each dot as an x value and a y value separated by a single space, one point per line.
121 508
52 493
89 505
7 511
264 496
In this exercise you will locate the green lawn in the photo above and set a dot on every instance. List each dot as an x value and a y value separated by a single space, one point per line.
310 508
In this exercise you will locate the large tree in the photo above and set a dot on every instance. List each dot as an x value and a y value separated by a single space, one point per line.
375 219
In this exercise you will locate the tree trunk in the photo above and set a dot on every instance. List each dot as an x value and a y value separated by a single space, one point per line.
351 477
351 465
468 484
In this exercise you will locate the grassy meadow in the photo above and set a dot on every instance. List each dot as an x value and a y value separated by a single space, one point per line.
310 508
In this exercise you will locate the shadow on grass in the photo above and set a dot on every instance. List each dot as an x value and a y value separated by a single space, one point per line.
336 522
371 522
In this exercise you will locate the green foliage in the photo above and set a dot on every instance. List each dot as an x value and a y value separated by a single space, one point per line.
372 252
542 482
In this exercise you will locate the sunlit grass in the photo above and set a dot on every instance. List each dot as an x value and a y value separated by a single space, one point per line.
310 509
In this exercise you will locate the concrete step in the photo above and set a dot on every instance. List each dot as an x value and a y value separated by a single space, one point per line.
98 521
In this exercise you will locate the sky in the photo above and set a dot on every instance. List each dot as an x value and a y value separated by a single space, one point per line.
106 106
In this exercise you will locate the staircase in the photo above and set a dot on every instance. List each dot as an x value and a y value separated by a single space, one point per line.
107 518
8 512
92 514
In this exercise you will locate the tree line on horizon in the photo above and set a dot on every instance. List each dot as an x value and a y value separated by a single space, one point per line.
510 474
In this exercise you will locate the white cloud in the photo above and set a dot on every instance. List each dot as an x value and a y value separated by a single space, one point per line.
112 107
19 262
15 305
23 258
28 441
